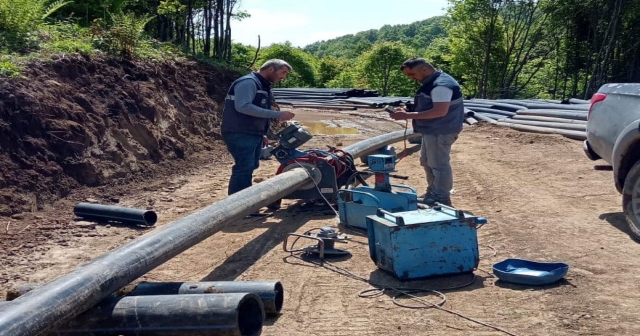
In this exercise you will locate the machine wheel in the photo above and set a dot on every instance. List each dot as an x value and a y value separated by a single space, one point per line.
275 205
631 199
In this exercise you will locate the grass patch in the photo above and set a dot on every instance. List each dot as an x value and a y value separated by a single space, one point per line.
8 67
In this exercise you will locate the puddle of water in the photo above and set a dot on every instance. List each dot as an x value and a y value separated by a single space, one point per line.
318 127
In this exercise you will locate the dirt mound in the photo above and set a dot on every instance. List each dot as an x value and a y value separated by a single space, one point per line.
77 121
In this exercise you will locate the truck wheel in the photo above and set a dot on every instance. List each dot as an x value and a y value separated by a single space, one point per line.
631 199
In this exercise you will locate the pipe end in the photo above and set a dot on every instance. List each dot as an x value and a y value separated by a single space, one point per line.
250 315
150 217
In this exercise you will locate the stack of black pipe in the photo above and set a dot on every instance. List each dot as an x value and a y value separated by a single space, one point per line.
178 308
347 98
533 115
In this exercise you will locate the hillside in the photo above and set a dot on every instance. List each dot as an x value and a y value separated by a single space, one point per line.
76 121
417 35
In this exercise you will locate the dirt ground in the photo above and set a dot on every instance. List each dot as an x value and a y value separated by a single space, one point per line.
542 197
78 121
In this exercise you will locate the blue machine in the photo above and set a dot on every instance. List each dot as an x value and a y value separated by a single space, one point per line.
422 243
355 204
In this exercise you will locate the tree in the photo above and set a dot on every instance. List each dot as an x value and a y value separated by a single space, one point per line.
380 67
304 64
330 68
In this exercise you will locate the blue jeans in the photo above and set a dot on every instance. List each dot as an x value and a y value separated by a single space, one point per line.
245 150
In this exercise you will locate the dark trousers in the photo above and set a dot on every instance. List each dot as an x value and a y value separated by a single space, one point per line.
245 150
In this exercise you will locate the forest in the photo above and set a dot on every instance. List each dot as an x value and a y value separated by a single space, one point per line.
496 49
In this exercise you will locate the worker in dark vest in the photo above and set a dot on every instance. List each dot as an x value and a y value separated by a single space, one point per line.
246 118
437 114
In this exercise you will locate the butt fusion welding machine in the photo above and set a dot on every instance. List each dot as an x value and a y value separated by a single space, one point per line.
355 204
330 169
404 241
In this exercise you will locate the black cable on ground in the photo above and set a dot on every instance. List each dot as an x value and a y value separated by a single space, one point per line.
404 141
381 288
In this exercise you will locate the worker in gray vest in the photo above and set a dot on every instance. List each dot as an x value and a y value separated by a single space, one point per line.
437 114
246 118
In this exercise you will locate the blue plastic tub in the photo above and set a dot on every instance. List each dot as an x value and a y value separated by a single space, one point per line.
527 272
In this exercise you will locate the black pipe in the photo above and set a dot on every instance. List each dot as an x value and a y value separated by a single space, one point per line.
574 107
495 104
270 292
550 119
176 315
577 135
578 101
98 212
483 117
556 113
491 110
568 126
69 295
371 145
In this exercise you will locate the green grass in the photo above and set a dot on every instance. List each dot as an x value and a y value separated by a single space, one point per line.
69 38
8 67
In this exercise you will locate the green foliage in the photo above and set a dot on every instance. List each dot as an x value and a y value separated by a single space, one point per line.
123 35
67 37
20 21
85 11
304 64
439 54
348 78
171 7
416 35
242 55
381 68
329 69
498 47
8 68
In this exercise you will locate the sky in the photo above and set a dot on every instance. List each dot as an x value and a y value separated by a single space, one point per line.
303 22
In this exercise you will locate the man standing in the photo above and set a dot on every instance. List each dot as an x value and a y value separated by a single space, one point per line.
246 118
438 115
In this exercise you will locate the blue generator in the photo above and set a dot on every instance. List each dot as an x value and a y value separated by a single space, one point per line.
355 204
423 243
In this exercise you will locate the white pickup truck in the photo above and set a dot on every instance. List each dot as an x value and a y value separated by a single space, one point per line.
613 134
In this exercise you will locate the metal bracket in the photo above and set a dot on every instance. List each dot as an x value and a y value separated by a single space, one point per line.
303 249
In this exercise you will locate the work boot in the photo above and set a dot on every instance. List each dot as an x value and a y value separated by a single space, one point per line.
429 198
444 201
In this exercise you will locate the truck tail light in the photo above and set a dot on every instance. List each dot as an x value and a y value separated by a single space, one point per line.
596 98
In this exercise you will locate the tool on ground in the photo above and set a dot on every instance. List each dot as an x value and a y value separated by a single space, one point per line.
330 169
424 242
325 247
355 204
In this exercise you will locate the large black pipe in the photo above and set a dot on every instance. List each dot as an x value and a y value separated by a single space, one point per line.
496 104
71 294
577 135
555 113
491 110
270 292
483 117
66 297
574 107
93 211
549 119
175 315
371 145
568 126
